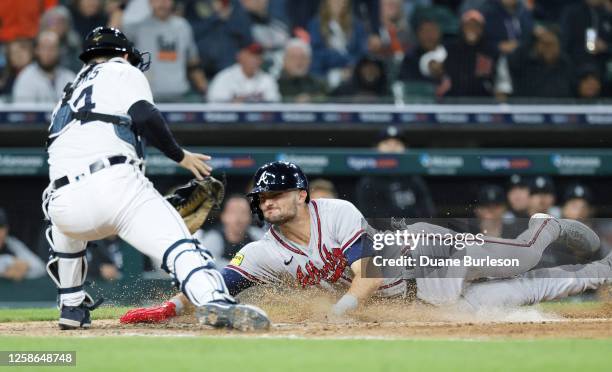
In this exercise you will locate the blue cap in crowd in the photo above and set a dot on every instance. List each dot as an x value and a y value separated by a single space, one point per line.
389 132
516 180
542 185
578 191
491 195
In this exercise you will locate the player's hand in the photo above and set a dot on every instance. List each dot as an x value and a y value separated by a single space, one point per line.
195 163
347 303
155 314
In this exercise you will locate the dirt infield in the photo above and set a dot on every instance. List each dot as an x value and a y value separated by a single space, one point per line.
304 315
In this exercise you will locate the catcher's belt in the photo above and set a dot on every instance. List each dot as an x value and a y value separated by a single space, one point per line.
93 168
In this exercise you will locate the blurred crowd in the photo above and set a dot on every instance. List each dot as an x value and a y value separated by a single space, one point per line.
365 51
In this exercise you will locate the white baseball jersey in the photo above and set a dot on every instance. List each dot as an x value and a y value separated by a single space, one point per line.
110 88
231 84
335 226
117 200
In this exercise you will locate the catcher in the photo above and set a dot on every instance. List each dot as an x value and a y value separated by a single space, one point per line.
97 186
323 242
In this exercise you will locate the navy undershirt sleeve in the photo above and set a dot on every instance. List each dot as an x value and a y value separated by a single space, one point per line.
235 282
149 123
361 248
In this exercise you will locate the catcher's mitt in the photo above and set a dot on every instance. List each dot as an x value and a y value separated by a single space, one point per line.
194 200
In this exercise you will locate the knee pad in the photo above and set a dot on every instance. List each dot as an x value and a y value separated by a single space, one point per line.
194 272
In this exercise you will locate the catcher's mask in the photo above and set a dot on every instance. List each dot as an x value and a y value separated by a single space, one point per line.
276 176
102 40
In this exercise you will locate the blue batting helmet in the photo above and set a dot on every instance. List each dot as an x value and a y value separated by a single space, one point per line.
276 176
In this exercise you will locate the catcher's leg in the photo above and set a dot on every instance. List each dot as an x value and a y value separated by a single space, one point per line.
538 285
156 229
68 269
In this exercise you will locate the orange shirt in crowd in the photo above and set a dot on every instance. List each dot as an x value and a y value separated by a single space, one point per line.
20 18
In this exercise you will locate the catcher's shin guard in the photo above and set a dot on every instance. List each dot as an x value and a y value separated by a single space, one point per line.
68 271
193 269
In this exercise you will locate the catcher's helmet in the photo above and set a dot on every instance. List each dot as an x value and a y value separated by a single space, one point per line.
276 176
103 40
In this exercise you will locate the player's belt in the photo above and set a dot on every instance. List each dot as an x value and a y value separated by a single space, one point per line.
95 167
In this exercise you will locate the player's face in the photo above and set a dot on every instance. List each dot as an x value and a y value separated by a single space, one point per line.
391 146
236 215
518 198
540 203
576 209
493 212
279 207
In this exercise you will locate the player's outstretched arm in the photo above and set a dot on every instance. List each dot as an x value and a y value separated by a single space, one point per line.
360 291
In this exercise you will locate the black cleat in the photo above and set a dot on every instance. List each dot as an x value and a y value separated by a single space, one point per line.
226 315
74 317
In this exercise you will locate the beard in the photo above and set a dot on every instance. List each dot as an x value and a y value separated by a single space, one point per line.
282 218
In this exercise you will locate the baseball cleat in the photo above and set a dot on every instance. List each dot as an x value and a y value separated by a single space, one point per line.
226 315
578 236
155 314
574 234
74 317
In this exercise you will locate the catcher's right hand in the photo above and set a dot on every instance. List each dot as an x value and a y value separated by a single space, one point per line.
195 163
195 200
